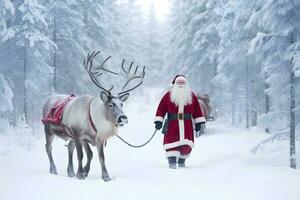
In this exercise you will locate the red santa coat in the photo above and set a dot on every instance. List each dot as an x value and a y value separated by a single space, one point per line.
180 132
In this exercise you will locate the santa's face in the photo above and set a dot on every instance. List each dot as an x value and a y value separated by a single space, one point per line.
180 83
181 92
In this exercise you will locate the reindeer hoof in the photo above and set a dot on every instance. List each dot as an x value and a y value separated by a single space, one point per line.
85 174
106 178
71 174
86 171
53 170
80 176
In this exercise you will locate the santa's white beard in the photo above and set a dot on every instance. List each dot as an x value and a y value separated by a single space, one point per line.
181 95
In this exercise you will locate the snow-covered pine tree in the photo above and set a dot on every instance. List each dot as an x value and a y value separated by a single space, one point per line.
154 46
132 25
278 47
24 60
204 45
7 10
66 29
98 22
180 37
6 106
236 68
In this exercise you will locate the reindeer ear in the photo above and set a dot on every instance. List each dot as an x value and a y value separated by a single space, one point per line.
104 96
124 97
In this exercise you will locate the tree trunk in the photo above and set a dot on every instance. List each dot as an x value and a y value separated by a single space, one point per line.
267 100
25 110
54 79
292 124
233 110
247 94
253 106
292 113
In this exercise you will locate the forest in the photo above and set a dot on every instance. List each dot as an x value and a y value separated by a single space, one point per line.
244 54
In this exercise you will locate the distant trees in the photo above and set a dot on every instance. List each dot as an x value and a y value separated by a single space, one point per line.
247 55
6 95
278 47
154 48
43 44
65 28
6 11
6 106
179 37
22 59
193 41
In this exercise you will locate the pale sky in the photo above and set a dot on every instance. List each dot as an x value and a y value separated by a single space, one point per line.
161 7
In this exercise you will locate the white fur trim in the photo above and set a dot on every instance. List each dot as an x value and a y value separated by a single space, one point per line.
158 118
181 124
172 153
179 143
200 119
180 78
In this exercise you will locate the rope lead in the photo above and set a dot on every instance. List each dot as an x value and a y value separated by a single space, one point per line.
137 146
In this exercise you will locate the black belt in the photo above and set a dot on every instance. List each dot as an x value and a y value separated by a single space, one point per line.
179 116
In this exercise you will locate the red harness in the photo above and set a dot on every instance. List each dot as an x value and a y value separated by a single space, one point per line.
92 123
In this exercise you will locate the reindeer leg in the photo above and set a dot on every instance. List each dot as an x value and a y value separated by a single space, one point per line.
49 139
71 147
105 175
89 154
80 172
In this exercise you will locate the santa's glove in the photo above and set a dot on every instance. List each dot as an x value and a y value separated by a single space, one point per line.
158 125
199 126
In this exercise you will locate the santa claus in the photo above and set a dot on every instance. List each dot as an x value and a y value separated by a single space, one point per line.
182 109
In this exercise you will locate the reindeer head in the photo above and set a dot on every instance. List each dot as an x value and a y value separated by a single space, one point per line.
113 104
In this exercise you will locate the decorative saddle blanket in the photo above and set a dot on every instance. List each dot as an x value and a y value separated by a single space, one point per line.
55 114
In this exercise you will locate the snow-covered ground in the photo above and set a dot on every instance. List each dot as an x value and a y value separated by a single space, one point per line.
221 167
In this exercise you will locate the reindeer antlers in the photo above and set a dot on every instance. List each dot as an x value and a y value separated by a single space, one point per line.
131 77
96 71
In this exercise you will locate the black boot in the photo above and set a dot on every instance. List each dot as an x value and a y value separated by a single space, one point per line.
172 162
181 162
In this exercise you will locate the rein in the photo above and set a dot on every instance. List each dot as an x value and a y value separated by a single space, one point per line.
138 146
131 145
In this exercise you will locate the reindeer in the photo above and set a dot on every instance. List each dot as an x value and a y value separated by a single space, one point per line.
89 119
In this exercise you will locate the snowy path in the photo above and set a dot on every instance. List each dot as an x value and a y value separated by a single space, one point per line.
221 168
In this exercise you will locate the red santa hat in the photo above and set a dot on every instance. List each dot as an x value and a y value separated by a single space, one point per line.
179 76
